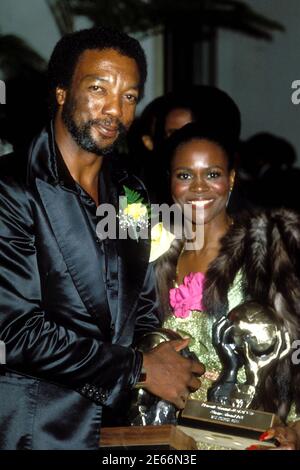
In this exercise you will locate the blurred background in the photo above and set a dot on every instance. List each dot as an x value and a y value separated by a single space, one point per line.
249 49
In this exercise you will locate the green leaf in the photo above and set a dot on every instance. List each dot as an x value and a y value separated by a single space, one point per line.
133 197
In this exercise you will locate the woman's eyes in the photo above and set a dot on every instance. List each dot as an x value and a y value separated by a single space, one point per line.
213 174
183 176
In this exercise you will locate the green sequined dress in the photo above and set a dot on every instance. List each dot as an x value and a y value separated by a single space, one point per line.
198 326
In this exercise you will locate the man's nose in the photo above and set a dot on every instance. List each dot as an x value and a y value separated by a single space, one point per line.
113 106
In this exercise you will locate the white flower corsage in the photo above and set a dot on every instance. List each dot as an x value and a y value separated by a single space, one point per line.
133 212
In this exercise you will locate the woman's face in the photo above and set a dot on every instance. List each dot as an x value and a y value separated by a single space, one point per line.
200 179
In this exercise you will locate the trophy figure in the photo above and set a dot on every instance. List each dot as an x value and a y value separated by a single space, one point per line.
145 408
151 421
250 337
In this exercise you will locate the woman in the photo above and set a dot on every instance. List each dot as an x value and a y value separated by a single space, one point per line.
251 258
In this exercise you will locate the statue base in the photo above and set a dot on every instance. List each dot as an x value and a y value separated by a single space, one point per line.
146 437
233 428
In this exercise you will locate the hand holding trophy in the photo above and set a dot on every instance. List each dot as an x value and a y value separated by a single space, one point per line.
148 408
249 340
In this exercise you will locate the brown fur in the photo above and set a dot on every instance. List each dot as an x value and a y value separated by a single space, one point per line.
266 247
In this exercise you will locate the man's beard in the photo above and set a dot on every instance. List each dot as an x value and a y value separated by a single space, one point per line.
82 133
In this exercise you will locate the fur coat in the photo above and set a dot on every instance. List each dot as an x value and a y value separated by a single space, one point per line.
266 248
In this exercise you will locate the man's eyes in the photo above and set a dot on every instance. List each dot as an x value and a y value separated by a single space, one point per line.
100 90
131 98
96 88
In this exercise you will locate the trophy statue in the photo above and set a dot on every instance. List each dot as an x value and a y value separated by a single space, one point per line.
147 409
249 339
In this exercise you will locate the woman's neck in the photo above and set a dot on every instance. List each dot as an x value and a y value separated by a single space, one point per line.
196 256
209 234
214 231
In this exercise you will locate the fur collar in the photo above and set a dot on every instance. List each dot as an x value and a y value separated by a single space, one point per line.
265 247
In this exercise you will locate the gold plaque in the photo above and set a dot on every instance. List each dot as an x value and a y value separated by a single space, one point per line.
234 428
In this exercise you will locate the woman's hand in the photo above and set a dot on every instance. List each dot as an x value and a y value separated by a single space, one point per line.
286 437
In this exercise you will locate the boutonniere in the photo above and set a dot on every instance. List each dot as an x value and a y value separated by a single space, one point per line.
161 240
133 213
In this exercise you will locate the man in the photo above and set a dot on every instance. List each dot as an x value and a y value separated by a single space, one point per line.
71 307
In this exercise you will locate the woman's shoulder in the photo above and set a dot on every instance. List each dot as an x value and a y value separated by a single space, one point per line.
263 226
246 217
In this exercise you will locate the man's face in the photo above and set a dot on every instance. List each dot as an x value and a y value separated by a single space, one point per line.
99 105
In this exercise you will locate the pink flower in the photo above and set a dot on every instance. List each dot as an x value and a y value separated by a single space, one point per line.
188 296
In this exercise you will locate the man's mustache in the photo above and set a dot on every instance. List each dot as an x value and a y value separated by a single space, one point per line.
106 122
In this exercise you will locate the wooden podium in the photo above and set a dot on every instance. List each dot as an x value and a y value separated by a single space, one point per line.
146 437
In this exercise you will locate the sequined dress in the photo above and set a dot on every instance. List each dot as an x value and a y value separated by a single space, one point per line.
198 326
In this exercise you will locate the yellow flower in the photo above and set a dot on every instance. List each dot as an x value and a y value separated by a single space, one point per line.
136 210
161 240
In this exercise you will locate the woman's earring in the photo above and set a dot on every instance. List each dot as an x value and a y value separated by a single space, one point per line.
229 194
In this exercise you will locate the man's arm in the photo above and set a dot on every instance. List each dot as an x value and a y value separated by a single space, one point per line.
36 344
148 315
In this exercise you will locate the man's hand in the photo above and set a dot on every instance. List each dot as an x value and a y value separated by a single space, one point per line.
169 375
